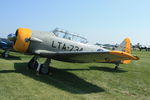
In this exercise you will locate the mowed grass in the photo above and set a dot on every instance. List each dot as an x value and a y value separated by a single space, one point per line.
74 81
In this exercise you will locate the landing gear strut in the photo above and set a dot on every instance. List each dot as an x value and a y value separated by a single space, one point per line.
33 63
44 68
40 68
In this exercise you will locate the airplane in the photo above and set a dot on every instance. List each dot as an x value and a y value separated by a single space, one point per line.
68 47
6 45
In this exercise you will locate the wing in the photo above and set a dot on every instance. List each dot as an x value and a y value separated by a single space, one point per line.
82 57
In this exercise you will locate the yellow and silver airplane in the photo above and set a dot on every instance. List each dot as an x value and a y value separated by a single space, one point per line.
68 47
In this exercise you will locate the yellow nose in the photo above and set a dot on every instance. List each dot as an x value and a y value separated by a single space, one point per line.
22 35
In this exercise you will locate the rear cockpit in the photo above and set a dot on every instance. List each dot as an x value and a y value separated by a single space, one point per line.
70 36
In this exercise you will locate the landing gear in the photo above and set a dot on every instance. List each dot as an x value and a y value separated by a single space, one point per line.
44 68
33 63
117 66
40 68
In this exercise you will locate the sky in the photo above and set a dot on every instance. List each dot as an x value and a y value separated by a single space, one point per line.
100 21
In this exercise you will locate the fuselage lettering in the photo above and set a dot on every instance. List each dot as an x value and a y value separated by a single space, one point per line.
63 46
72 47
59 45
53 44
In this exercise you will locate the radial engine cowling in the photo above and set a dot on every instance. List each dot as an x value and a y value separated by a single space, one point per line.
20 44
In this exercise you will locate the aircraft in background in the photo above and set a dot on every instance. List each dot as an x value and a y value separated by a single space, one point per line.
68 47
6 45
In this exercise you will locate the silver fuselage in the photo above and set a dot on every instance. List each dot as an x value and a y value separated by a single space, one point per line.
50 42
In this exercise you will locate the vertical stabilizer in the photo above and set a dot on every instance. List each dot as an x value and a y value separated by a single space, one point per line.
125 46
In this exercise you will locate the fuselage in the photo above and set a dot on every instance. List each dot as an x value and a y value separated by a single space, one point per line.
51 42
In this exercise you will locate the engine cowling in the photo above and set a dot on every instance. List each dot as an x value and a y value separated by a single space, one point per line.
22 35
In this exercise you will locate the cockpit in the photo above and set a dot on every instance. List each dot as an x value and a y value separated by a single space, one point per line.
70 36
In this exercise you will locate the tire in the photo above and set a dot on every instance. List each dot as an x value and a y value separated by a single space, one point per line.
33 65
44 69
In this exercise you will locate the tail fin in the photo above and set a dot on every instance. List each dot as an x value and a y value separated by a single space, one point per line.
125 46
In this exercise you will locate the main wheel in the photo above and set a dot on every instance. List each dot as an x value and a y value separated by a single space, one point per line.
33 65
44 69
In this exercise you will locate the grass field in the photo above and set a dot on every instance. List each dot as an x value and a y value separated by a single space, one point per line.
69 81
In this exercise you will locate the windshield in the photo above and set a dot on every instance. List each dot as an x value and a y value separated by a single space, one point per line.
69 36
